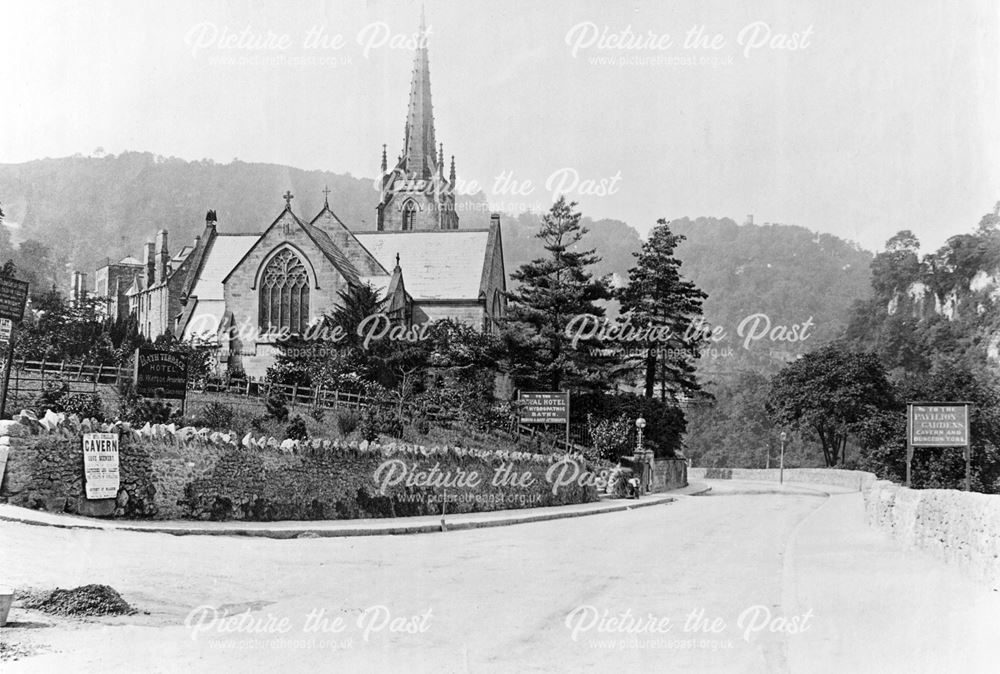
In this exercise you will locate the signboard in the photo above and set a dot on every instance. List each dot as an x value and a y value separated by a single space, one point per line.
544 407
938 425
160 373
6 328
100 465
944 424
13 297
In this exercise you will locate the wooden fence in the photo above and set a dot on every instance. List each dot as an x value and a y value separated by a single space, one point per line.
29 378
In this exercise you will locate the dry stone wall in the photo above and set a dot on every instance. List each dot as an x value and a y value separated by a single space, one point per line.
960 528
189 473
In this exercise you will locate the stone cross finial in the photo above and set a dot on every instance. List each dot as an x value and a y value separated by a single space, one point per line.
287 196
326 195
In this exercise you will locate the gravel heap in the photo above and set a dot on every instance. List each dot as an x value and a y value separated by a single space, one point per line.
86 600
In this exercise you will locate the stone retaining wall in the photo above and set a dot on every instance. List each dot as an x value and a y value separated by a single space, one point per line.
960 528
189 473
669 474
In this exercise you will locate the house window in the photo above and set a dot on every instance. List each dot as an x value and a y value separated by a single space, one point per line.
409 213
284 294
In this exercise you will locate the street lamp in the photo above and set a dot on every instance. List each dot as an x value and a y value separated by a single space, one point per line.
640 455
781 471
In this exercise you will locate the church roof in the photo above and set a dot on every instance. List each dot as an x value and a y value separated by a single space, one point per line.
220 256
438 264
344 240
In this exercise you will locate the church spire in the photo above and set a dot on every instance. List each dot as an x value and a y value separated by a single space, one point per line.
385 165
451 178
419 141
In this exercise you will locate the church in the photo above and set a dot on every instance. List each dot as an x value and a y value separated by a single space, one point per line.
234 292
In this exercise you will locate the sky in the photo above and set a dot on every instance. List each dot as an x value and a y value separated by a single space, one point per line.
855 117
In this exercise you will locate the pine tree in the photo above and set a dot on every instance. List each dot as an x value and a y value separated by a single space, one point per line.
657 296
552 291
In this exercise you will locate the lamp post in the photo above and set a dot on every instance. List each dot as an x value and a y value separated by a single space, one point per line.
640 455
781 470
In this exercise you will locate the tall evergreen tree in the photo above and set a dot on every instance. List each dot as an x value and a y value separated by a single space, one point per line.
657 297
553 290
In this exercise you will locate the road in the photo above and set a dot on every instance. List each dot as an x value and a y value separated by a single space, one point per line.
701 581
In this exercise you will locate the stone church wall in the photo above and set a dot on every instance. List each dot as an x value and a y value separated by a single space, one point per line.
253 356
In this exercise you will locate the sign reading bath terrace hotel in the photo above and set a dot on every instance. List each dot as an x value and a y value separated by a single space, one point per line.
160 373
13 297
938 424
544 407
100 465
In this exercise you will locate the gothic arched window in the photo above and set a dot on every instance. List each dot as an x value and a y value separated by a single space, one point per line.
284 294
409 213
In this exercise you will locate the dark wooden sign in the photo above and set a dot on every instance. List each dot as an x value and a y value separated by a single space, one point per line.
544 407
160 373
13 297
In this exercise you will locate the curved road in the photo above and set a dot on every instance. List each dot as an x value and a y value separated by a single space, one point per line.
751 578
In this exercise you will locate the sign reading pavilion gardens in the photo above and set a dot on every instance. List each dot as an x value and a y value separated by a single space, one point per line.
938 425
544 407
160 373
100 465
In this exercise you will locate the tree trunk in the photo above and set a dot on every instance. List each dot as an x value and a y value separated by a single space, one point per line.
650 372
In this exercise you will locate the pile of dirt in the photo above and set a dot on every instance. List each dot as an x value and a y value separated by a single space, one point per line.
86 600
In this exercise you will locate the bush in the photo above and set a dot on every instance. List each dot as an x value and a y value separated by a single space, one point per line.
218 415
52 396
84 405
347 422
317 413
378 420
276 406
610 437
297 429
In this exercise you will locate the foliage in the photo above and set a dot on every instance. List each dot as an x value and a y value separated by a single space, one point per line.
882 437
84 405
52 396
609 438
735 430
275 404
829 392
296 429
347 422
218 415
665 422
377 420
138 411
657 295
553 290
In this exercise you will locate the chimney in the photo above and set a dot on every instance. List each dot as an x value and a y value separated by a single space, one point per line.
83 287
494 219
210 219
150 258
162 256
750 219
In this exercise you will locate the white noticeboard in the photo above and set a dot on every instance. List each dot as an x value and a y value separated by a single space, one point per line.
6 327
100 465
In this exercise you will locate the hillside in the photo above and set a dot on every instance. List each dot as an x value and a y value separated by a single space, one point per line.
87 208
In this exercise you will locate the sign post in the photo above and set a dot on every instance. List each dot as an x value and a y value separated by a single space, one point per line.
161 374
938 424
13 298
544 407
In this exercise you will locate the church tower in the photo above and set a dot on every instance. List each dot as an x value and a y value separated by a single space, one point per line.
416 193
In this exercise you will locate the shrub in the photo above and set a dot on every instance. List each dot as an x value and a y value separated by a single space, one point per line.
297 429
84 405
218 415
610 437
347 422
276 406
379 420
52 396
317 413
